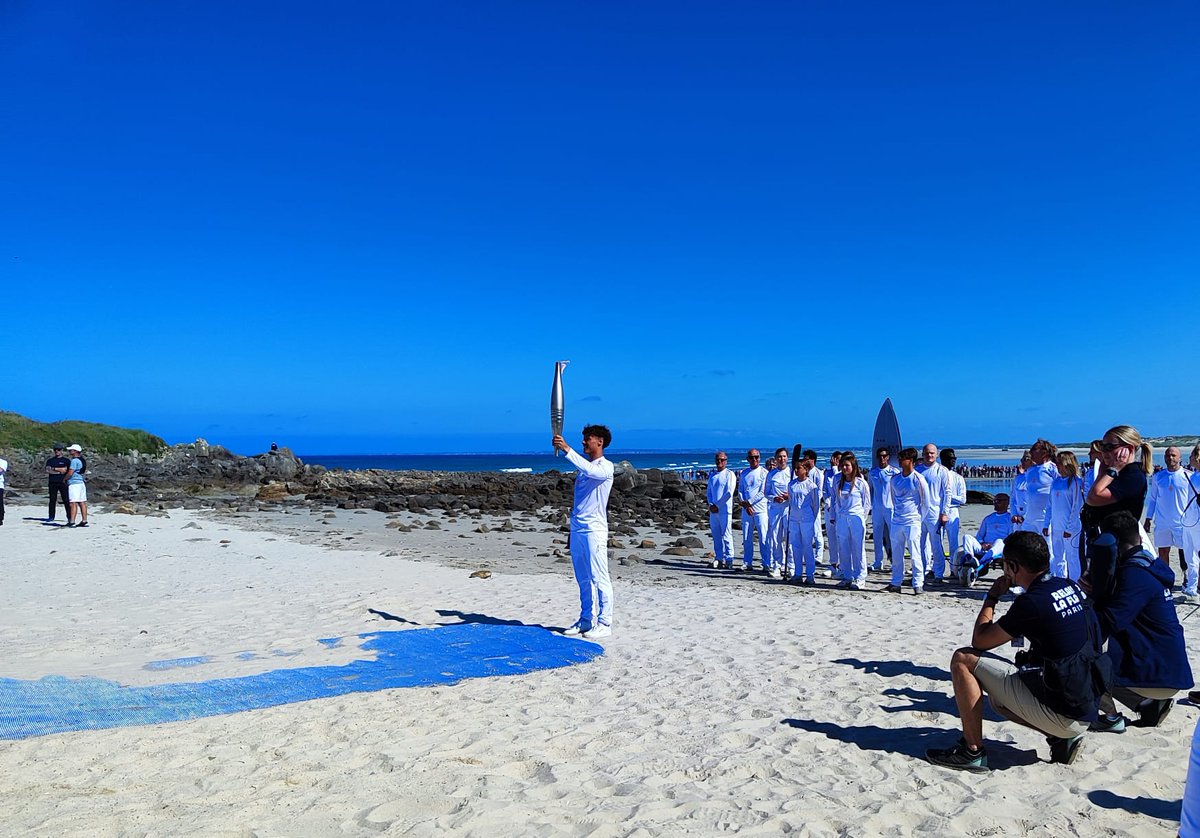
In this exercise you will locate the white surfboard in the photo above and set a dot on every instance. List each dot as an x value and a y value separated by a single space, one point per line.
887 433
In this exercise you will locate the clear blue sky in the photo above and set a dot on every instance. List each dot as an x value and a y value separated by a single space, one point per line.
373 226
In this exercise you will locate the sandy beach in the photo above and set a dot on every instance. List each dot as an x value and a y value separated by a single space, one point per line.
722 703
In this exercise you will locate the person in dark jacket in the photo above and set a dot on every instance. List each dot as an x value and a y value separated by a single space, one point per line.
1137 617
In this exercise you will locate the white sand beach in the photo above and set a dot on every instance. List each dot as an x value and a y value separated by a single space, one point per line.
723 702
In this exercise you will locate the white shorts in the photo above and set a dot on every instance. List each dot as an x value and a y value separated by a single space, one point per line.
1168 537
77 492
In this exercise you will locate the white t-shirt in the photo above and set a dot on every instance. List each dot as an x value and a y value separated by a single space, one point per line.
592 487
3 471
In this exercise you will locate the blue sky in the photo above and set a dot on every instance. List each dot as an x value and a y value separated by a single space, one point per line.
372 227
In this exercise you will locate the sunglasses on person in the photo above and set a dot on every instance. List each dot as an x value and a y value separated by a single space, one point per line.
1109 447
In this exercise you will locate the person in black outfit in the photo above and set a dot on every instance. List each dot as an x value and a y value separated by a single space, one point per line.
56 470
1138 618
1051 614
1121 485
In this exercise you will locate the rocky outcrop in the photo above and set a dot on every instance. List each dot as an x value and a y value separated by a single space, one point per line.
200 475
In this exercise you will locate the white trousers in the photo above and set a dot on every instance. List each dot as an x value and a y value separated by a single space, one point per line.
721 525
804 555
777 536
589 557
1064 554
751 522
1191 552
851 542
951 532
818 540
932 556
907 537
831 540
881 533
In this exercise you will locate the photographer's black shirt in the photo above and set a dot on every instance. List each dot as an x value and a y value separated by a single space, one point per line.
1050 614
57 462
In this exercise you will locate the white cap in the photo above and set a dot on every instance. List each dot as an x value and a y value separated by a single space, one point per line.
74 448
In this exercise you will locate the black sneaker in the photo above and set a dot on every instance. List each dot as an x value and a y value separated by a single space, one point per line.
893 589
1064 751
1108 724
960 758
1153 711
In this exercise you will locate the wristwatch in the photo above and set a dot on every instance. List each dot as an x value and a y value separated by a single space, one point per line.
1111 472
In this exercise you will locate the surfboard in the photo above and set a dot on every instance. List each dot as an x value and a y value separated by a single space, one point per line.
887 432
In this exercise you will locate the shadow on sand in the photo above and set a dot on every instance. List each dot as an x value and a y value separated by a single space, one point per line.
911 741
896 669
1166 810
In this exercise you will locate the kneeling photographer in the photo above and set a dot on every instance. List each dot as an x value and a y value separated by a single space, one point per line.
1131 588
1053 688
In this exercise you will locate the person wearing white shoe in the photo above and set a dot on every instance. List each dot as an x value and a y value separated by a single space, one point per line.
958 499
1061 521
1191 527
937 481
907 500
827 477
722 486
879 476
589 530
804 518
852 499
751 483
1167 497
776 491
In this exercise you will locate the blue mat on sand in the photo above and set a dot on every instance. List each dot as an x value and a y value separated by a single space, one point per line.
413 658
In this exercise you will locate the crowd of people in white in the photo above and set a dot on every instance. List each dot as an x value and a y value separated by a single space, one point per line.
796 514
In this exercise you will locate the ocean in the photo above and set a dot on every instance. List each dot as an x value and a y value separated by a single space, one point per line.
687 462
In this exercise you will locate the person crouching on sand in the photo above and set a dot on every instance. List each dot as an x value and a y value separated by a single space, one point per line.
1051 614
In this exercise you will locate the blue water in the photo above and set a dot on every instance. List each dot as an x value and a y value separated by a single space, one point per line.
538 462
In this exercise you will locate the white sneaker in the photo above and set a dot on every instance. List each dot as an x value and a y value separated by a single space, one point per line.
598 630
775 574
715 565
579 628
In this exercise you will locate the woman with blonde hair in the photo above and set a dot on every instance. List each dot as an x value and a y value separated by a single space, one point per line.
1061 522
852 501
1121 484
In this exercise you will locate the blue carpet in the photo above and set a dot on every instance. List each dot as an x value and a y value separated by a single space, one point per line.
413 658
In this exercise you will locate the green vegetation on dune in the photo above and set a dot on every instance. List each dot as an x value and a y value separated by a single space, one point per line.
23 434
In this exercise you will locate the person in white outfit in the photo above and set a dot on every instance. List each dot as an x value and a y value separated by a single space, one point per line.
993 529
852 501
1191 528
818 478
1167 497
589 531
958 499
937 481
1017 490
804 520
827 477
879 476
1061 522
753 501
776 491
907 501
1038 479
722 485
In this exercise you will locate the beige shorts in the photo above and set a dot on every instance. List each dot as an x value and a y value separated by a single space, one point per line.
1005 689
